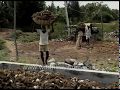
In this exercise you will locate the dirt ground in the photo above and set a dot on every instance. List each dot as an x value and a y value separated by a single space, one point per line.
102 55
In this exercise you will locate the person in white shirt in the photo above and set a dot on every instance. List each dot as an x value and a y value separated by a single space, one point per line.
88 34
43 43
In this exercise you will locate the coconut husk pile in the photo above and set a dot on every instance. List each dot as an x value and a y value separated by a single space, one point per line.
81 25
44 17
20 79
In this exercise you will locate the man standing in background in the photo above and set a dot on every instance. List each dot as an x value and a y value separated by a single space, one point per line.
88 34
80 33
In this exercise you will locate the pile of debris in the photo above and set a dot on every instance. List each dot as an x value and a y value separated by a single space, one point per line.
72 63
111 35
20 79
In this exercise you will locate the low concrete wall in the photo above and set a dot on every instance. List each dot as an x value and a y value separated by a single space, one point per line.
100 76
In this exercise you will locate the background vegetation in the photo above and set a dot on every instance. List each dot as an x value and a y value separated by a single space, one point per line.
26 28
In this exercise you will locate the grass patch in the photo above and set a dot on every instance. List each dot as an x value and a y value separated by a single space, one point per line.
111 66
4 56
25 37
114 69
109 27
28 37
26 59
2 44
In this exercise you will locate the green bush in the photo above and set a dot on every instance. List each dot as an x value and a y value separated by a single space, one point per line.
3 51
109 27
28 37
99 36
59 31
2 42
4 55
18 34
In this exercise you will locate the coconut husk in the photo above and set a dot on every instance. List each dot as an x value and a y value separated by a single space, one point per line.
81 25
44 17
21 79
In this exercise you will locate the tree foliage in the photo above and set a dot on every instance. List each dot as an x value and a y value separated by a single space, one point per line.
25 10
74 11
6 14
52 8
94 12
90 12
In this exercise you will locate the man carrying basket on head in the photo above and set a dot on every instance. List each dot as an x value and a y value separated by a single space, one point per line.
45 19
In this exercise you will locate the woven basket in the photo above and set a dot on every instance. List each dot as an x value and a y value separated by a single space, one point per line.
43 17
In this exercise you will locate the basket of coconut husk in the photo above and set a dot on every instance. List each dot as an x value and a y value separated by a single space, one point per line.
81 25
44 17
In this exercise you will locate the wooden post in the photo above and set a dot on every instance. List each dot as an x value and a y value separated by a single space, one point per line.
15 42
67 19
102 25
101 19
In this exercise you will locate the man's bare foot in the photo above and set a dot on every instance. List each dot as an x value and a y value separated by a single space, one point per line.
43 64
79 47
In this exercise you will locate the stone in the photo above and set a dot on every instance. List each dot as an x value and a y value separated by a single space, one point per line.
81 81
51 60
70 61
109 59
52 64
80 64
63 64
84 67
93 87
36 87
37 80
93 67
11 81
97 88
76 63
